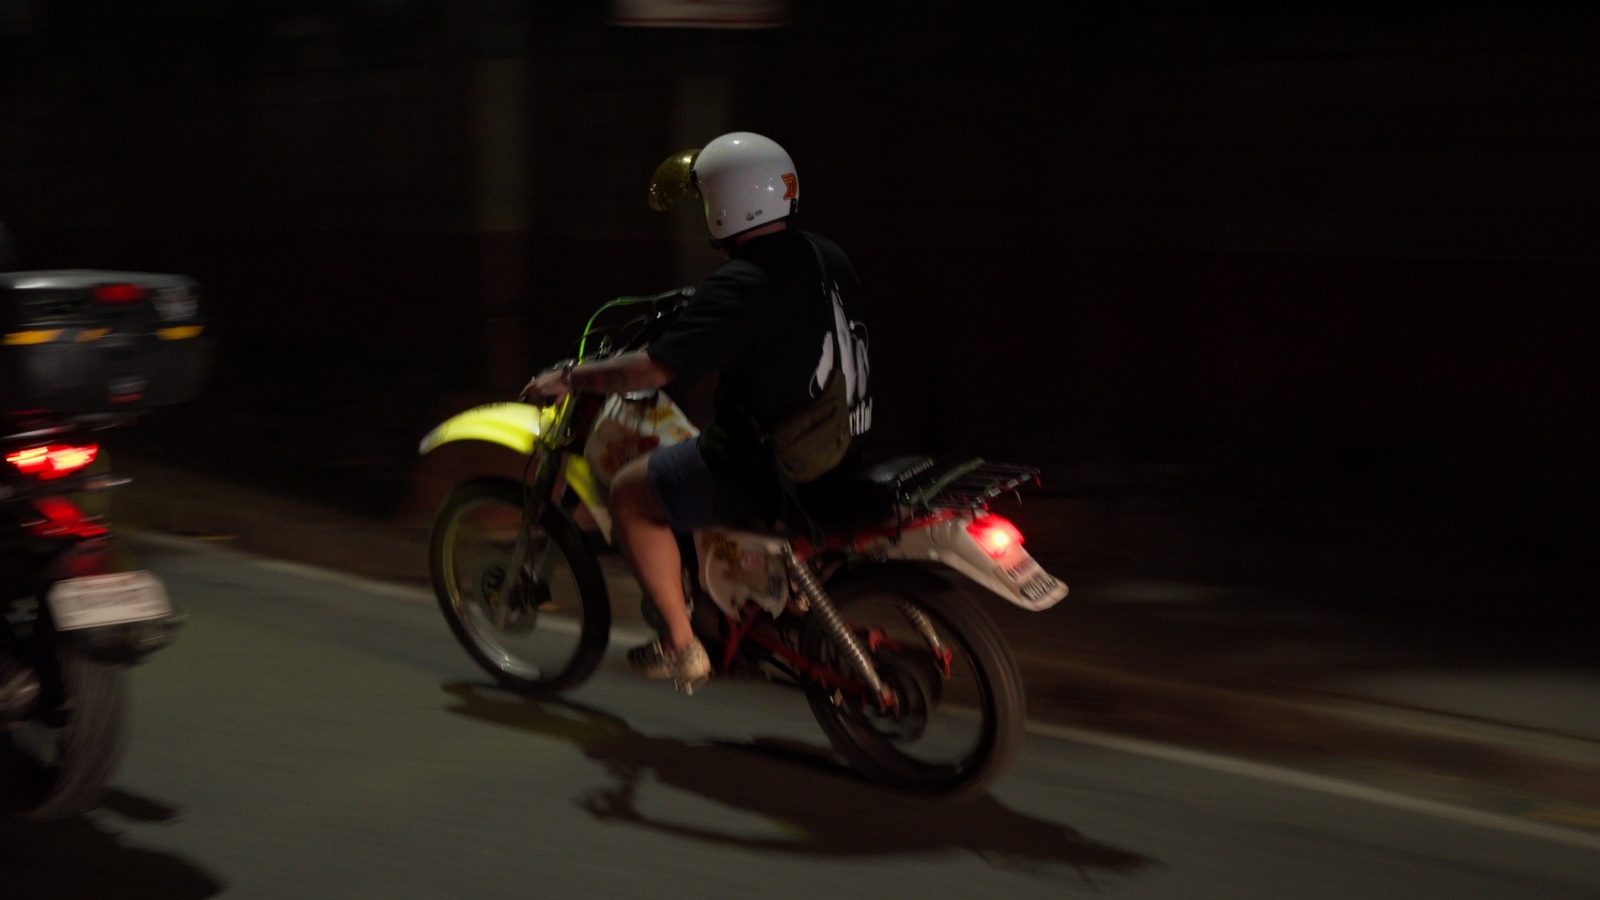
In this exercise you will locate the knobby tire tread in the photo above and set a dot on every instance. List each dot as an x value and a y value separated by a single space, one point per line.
92 740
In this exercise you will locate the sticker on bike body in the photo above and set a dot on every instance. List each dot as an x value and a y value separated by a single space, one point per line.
737 567
100 600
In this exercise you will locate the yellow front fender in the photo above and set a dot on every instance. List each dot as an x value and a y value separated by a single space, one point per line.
514 425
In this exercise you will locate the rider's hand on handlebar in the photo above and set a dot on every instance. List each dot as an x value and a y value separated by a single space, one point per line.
548 388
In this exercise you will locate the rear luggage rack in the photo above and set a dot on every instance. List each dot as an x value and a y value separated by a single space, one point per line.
968 485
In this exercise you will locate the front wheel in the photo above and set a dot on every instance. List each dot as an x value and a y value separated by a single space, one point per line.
61 758
549 632
959 712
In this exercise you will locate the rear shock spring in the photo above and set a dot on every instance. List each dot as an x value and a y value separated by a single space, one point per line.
843 637
919 620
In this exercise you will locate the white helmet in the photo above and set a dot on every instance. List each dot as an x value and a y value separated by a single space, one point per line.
744 179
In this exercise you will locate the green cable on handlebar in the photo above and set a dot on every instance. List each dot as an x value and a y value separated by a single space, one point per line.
612 304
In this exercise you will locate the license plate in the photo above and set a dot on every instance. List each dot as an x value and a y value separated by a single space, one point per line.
108 600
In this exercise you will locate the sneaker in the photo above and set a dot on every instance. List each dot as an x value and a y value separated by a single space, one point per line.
688 668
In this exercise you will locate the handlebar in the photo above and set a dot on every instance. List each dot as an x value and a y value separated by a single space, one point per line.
676 294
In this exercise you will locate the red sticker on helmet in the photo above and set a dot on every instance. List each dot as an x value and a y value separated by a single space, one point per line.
791 186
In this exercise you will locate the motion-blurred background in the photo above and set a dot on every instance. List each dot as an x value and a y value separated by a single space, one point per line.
1293 298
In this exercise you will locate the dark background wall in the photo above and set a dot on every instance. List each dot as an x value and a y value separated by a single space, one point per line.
1085 229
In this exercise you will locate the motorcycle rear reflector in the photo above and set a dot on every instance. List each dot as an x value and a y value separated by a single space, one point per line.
62 519
118 293
53 461
995 535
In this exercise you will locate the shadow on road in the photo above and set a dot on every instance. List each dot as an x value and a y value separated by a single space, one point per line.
79 859
822 807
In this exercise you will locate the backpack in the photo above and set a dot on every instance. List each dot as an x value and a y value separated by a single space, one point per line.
811 441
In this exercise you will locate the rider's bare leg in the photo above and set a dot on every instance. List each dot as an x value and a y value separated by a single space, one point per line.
641 529
584 519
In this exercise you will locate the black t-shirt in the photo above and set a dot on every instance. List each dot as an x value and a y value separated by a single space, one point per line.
763 322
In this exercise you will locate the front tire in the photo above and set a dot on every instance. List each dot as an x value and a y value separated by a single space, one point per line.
536 647
981 702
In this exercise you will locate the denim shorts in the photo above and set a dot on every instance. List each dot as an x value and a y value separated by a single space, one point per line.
691 495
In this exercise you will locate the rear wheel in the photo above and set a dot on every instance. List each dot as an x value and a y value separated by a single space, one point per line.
60 759
959 712
550 632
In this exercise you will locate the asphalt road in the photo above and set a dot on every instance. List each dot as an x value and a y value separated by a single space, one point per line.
308 739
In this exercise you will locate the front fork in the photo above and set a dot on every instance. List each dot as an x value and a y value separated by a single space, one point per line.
535 499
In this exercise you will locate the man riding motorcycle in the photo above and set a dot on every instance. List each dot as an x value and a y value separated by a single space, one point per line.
774 321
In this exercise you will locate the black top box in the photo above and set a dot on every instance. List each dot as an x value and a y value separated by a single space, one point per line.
82 341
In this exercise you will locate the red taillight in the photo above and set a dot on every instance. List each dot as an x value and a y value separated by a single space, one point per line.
53 461
118 293
995 535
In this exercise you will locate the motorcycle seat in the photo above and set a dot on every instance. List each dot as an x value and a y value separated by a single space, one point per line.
891 475
854 497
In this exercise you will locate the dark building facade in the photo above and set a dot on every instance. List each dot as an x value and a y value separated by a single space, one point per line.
1135 219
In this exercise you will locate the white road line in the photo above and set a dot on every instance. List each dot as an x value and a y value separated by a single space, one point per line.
329 576
336 578
620 634
1243 768
1322 784
308 572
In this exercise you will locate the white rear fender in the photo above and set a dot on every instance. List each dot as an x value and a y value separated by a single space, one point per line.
987 549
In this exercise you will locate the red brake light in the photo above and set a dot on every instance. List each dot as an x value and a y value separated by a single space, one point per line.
53 461
995 535
118 293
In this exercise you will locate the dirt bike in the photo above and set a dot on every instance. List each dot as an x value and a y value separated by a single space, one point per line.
83 351
910 679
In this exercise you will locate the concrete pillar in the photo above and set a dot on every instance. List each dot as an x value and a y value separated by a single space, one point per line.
702 108
501 102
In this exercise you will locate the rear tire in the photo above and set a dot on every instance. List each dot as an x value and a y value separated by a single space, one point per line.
62 771
565 538
996 686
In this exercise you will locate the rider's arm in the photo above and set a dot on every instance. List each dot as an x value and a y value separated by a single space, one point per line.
634 371
618 375
718 324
